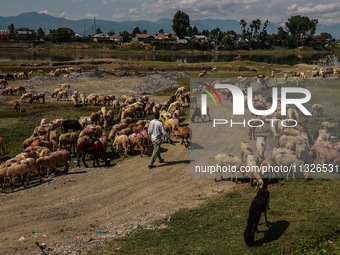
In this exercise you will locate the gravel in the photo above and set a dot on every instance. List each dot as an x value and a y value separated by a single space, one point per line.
73 76
158 82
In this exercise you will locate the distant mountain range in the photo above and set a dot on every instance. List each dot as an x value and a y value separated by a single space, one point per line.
35 20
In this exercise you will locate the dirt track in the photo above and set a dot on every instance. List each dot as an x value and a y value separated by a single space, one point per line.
65 211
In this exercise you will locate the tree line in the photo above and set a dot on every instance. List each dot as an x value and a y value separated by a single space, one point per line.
298 31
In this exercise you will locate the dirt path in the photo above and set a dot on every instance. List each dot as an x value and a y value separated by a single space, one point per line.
67 210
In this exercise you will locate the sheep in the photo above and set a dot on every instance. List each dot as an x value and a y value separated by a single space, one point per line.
129 112
180 91
92 98
104 141
324 135
137 139
25 166
127 120
198 113
245 150
74 98
56 123
29 141
30 153
260 147
173 124
25 96
37 98
94 148
84 121
65 86
17 107
121 140
318 144
3 82
214 69
292 161
260 204
70 124
62 94
325 155
115 129
226 159
184 134
54 140
51 160
115 104
290 142
68 139
2 147
56 92
82 98
329 126
101 99
11 161
317 110
92 130
110 99
42 130
20 89
302 151
95 118
41 143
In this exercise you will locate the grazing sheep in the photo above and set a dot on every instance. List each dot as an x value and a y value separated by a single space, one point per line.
82 98
253 174
42 130
329 126
20 90
51 160
92 98
137 139
94 148
184 134
92 130
84 121
25 166
62 94
260 147
104 140
95 118
226 159
74 98
180 91
115 129
56 92
3 82
325 155
115 104
7 91
37 98
292 161
30 153
17 107
324 135
197 113
108 118
317 110
70 124
302 151
245 150
68 139
25 96
121 141
56 123
65 86
29 141
259 205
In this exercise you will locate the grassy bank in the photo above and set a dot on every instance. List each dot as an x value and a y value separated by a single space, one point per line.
303 217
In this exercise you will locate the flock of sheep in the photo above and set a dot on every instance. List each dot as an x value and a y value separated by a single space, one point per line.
43 151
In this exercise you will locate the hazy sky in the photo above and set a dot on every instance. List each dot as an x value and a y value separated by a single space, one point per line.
326 11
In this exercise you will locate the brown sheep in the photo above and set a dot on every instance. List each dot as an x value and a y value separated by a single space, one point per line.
51 160
61 95
121 140
92 130
29 141
55 92
115 129
68 139
95 118
20 89
184 134
137 139
94 148
25 96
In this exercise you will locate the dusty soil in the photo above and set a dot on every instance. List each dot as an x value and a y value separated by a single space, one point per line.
66 211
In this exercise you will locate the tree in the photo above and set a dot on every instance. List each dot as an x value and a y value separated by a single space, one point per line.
161 31
98 31
243 24
110 33
135 31
180 24
144 31
301 29
61 34
40 33
126 37
11 29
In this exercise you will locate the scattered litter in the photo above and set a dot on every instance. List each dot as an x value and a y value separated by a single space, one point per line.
21 239
100 232
54 187
91 239
129 228
36 232
79 237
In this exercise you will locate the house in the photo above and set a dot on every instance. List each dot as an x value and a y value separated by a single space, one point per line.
145 37
23 31
4 36
199 38
101 37
117 38
166 37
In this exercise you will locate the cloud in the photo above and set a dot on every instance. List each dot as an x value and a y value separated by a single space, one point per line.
44 11
91 15
313 9
61 15
133 11
109 1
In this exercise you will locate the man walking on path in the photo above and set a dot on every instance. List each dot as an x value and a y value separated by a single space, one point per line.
155 131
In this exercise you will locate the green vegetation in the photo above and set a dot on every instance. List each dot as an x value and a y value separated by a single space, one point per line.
303 217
